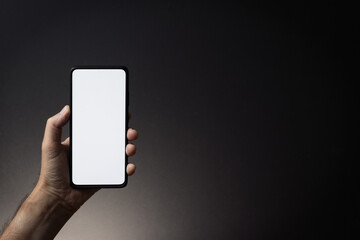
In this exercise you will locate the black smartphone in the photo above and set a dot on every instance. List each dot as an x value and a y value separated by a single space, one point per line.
98 125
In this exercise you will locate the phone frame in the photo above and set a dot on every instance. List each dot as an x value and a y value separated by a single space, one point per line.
72 184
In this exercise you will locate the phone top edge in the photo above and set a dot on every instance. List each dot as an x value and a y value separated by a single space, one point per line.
100 67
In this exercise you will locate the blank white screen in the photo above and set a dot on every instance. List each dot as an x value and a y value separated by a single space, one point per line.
98 126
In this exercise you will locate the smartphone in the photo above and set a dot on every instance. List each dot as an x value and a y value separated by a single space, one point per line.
98 125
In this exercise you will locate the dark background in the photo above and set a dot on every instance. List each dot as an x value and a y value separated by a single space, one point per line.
242 108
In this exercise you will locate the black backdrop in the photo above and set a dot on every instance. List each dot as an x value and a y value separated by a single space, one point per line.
242 110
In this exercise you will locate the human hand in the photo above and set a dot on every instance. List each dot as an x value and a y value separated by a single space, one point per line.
53 201
54 176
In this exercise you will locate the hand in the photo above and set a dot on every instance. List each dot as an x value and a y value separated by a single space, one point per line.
54 175
52 202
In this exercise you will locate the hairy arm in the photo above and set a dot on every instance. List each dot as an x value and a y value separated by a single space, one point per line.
40 216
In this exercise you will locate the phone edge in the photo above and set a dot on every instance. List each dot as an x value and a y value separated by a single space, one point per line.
77 186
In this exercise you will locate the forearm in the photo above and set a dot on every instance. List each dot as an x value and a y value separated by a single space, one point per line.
41 216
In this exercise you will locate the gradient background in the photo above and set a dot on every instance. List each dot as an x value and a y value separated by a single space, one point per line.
242 111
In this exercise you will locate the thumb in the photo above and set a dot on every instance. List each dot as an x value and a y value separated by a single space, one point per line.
53 129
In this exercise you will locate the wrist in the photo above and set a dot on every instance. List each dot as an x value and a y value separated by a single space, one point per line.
50 199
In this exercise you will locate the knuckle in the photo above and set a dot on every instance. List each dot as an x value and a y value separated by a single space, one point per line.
49 150
45 146
49 121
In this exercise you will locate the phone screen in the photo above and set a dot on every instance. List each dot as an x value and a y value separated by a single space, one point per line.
98 127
